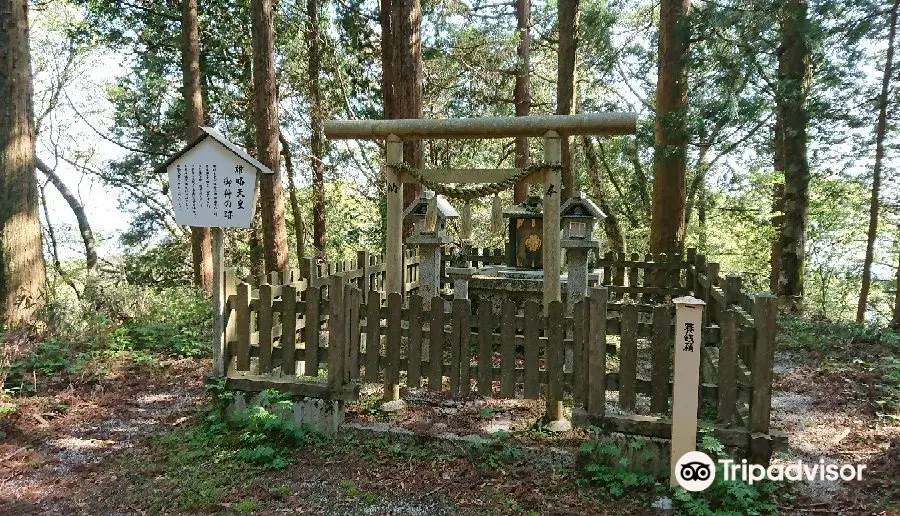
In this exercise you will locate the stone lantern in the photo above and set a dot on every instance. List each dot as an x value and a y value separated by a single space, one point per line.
429 242
578 215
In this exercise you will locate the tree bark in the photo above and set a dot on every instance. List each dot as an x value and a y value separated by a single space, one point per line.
387 61
315 134
406 22
299 225
522 92
880 130
794 76
895 324
266 118
84 227
669 192
565 86
201 242
23 276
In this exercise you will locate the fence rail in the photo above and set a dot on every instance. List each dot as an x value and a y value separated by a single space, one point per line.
295 327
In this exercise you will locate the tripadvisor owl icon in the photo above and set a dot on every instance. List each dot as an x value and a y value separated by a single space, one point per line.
695 471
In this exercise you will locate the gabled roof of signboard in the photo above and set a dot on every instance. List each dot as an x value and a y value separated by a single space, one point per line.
210 132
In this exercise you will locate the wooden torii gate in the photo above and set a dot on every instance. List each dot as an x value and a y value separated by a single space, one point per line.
551 128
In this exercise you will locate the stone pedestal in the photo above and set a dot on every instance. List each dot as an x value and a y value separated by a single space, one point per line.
460 277
577 280
429 263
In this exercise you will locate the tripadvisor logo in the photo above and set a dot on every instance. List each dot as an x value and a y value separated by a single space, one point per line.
695 471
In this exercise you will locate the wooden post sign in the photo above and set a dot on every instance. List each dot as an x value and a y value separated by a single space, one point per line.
686 378
213 183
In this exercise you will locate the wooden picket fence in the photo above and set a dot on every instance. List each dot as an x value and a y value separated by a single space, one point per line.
276 336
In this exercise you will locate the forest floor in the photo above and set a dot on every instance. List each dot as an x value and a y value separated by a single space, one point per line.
131 440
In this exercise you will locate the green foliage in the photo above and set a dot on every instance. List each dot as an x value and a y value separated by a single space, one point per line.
617 479
113 321
261 435
732 497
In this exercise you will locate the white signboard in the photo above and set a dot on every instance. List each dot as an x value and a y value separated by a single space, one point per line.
686 377
211 186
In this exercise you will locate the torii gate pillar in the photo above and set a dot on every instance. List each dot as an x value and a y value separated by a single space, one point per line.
393 245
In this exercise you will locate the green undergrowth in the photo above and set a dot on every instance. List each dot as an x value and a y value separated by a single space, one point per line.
85 337
866 356
197 467
609 469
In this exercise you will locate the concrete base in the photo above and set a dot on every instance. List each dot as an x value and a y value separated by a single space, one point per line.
560 425
393 406
315 414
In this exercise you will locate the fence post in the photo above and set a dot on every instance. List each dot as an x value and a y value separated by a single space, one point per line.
336 337
392 401
362 263
686 378
596 352
764 317
732 291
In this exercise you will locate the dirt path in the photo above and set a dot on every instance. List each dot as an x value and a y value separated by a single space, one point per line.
58 441
830 420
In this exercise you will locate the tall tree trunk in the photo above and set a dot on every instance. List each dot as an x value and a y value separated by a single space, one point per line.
23 276
565 86
611 222
266 117
876 171
406 22
201 243
387 61
669 192
895 324
299 225
522 92
777 196
84 227
793 57
315 134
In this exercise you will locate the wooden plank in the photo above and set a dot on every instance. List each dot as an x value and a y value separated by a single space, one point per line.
289 330
619 271
508 349
609 259
414 353
465 338
554 359
633 272
485 351
661 428
321 390
579 333
436 345
469 175
243 327
660 360
336 337
311 322
265 329
392 354
727 369
354 305
373 335
763 362
628 358
532 350
456 331
607 124
596 377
